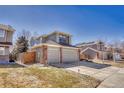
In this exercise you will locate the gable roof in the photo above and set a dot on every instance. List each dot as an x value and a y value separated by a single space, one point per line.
86 43
89 43
90 49
6 27
55 32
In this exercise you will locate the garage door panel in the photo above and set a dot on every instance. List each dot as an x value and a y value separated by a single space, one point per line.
70 55
53 55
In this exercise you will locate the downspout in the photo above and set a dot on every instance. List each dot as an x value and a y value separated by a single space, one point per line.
61 61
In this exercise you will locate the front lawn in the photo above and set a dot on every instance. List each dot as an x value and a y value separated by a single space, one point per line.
47 77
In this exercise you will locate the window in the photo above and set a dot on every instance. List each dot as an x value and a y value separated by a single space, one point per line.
1 51
2 32
62 39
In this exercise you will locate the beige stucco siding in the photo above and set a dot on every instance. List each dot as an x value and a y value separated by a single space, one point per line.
50 37
2 39
7 51
4 51
103 55
39 54
9 36
90 53
4 57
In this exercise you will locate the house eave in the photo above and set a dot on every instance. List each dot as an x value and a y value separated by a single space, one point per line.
7 28
55 32
5 43
52 45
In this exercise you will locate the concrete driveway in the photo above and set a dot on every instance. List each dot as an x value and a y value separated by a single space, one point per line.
110 76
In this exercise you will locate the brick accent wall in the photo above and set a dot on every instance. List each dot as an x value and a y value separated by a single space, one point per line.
44 55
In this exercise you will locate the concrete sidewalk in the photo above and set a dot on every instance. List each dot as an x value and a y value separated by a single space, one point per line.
111 77
114 81
100 74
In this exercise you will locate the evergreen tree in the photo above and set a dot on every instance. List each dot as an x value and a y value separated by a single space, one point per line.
21 44
20 47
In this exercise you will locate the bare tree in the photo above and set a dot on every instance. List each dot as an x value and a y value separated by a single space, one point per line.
122 45
27 34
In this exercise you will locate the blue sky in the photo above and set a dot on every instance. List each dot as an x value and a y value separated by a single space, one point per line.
85 23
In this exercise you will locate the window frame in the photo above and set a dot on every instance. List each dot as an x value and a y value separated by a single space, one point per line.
2 51
2 33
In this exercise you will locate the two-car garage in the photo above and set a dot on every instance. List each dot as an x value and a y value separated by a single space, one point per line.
56 53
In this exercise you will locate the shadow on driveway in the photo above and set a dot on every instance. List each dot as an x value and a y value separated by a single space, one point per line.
81 63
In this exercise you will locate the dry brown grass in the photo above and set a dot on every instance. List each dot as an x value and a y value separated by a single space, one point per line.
39 77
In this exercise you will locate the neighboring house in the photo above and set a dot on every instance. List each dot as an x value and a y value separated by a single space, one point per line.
54 48
6 34
97 45
98 50
92 50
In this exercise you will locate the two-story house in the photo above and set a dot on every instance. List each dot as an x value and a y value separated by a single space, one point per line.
54 47
52 38
58 37
6 34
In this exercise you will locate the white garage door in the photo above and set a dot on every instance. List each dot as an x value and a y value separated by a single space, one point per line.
70 55
53 55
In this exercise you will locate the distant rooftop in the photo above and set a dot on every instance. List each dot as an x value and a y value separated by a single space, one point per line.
86 43
6 27
89 43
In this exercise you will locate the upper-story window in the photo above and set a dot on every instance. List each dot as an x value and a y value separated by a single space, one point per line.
62 39
2 33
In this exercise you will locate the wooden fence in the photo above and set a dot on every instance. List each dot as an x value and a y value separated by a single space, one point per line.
27 57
